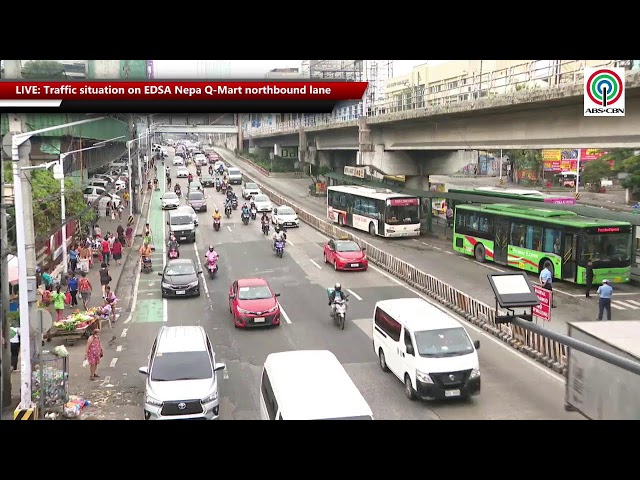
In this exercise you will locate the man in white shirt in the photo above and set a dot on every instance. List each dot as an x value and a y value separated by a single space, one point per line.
546 281
15 347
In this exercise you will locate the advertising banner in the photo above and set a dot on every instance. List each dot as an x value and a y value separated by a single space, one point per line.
551 160
543 310
587 154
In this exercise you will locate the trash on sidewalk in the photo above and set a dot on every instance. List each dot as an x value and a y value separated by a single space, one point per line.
60 351
74 407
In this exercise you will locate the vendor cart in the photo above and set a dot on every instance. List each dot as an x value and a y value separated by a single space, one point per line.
77 326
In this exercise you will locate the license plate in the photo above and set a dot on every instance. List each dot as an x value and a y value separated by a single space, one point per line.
355 264
180 292
452 393
258 320
183 238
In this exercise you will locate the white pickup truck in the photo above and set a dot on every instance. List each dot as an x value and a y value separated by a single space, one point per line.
250 189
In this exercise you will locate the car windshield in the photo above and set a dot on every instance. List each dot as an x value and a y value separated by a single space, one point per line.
196 196
180 220
446 342
261 198
251 186
402 215
233 171
170 196
286 211
610 247
254 293
174 366
347 247
179 269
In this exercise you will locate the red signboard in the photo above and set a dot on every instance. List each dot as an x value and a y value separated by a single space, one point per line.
543 310
587 154
403 202
608 229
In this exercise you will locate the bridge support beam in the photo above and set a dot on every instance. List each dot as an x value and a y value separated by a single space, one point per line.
365 144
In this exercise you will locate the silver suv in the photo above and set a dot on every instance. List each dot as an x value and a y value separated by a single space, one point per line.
182 378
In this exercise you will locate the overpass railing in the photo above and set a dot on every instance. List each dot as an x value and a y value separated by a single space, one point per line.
464 89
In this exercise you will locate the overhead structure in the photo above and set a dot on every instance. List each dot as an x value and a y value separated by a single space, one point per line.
350 70
230 129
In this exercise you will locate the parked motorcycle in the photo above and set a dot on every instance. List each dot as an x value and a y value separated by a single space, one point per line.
279 248
212 267
254 213
216 224
245 218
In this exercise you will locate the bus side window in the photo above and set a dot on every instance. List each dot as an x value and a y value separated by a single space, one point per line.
534 237
269 397
518 235
461 220
551 241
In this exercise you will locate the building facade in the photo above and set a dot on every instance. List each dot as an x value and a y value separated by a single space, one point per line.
284 73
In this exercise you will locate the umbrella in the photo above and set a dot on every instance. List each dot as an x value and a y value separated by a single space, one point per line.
13 270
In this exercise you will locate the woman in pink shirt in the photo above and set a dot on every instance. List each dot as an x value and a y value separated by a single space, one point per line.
116 250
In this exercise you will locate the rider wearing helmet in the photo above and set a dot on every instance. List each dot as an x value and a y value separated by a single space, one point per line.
245 209
336 294
177 189
211 254
216 215
278 236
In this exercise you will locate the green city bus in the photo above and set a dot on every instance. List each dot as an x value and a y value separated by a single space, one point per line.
517 194
533 238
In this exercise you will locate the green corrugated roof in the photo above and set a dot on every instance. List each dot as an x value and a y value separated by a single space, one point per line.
100 130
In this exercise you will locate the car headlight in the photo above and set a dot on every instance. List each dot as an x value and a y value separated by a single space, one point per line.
193 284
272 309
211 397
423 377
475 373
153 401
243 311
166 285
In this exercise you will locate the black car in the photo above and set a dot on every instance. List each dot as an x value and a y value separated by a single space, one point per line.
180 279
206 180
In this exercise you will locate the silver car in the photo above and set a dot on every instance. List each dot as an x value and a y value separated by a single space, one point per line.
182 378
235 176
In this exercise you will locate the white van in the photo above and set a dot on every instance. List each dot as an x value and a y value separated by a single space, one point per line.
309 385
426 348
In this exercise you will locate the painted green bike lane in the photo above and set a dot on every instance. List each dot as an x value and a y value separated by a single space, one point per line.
150 305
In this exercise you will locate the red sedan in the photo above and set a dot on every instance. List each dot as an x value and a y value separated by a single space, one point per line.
253 304
345 255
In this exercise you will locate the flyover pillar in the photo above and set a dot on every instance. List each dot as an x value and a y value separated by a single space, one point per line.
365 145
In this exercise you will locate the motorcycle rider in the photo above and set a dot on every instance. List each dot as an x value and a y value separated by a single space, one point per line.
278 236
216 215
227 205
173 243
198 170
211 170
177 190
264 221
336 294
155 183
190 177
169 182
149 185
245 210
221 169
211 255
145 254
252 205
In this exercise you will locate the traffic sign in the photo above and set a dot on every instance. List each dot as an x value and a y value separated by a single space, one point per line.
23 150
543 310
130 221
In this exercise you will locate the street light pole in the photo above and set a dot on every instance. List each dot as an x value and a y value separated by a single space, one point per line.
130 177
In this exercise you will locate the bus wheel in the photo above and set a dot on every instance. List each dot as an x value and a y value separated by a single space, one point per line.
372 229
546 263
479 253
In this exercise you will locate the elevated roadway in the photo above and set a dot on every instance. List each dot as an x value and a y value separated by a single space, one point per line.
514 387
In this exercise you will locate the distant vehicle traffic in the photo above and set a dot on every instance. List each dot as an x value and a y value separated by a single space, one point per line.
250 189
180 278
263 204
170 200
178 161
285 217
377 211
253 303
534 238
345 255
182 172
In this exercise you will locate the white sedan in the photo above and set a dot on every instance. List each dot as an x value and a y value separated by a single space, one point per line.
178 161
263 204
170 200
285 217
182 172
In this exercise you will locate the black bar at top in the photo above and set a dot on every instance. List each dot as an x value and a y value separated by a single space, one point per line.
181 106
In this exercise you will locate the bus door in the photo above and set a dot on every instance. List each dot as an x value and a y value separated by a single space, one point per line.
501 241
569 256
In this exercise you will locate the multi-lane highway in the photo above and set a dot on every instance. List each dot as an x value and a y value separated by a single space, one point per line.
437 257
514 387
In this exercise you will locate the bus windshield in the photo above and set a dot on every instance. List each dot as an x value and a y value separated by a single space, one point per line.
402 215
614 247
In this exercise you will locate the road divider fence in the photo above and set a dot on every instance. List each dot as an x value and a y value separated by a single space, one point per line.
545 351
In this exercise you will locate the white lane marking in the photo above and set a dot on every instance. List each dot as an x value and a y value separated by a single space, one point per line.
229 228
124 332
450 253
633 302
284 314
119 348
354 294
613 305
165 305
113 362
626 304
484 334
490 267
315 263
201 268
290 243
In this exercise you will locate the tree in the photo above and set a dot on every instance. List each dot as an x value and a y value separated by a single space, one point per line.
595 170
618 155
45 191
632 167
44 69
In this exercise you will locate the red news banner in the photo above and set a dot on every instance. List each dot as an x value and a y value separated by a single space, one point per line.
56 94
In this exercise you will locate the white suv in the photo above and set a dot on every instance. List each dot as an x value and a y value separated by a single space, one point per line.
93 192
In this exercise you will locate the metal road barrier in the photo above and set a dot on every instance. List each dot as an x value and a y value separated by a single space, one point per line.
548 352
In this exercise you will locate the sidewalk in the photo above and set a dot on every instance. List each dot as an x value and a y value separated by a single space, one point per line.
79 383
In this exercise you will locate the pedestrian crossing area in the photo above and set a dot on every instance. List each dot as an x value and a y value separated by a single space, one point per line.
625 304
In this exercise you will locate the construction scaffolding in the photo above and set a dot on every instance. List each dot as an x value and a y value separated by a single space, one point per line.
376 73
349 70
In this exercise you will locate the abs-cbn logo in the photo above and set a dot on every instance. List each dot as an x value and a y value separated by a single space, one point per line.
604 92
608 230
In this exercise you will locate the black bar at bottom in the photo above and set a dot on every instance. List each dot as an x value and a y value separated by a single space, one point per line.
181 106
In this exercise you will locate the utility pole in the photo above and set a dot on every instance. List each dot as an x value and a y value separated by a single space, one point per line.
5 362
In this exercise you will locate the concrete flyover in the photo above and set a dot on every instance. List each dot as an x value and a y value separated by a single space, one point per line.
224 129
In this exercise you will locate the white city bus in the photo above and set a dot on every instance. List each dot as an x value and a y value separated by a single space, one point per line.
378 211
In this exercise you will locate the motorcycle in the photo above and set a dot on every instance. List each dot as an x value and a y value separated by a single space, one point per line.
234 203
265 228
227 211
254 213
173 252
147 265
212 266
178 193
198 171
279 247
341 312
216 224
223 188
218 185
245 218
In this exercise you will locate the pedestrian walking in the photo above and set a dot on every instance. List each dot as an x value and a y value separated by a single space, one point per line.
120 210
105 277
85 288
93 353
116 250
72 285
588 279
107 209
14 342
111 300
47 279
129 235
546 281
58 303
125 197
73 257
605 291
85 258
106 250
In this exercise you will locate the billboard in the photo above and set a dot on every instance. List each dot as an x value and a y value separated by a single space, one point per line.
587 154
551 160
